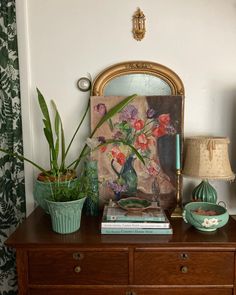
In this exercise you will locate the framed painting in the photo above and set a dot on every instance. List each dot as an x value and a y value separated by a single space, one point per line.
150 125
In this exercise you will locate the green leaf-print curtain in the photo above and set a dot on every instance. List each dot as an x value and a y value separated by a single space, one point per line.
12 193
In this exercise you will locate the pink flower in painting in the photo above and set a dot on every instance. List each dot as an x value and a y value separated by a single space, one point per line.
118 155
138 124
159 131
120 158
100 108
103 149
115 150
164 119
142 142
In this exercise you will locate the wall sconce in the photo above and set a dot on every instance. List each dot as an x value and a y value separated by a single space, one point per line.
139 25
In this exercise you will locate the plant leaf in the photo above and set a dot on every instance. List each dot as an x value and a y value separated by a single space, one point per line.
63 154
43 107
48 130
77 129
57 134
22 158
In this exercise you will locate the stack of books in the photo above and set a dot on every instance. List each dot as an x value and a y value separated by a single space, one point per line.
150 221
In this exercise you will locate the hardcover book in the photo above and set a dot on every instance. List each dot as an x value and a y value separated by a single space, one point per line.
152 214
132 223
137 231
134 226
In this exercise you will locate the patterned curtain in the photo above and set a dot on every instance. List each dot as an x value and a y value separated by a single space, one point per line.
12 192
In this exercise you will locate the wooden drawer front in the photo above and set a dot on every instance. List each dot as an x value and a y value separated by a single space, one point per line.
85 268
84 291
130 291
177 268
181 291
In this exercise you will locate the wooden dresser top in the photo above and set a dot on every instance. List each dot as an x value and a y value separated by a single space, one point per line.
36 231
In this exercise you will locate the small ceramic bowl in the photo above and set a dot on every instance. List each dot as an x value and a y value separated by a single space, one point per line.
205 216
134 204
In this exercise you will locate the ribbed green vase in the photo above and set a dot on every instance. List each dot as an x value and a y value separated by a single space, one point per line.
204 192
65 216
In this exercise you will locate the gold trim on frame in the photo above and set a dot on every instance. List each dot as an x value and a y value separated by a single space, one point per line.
138 67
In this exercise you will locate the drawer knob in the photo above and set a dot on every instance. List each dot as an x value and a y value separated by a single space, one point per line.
184 269
78 256
184 255
77 269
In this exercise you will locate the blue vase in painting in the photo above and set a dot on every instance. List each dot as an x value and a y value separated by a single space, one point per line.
128 175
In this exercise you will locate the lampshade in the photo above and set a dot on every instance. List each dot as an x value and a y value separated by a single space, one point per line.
207 158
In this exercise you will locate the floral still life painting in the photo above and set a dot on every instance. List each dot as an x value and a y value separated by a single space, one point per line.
149 124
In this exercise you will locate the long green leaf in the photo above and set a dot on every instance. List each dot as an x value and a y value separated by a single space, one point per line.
22 158
48 128
43 106
109 141
77 129
49 139
56 128
60 126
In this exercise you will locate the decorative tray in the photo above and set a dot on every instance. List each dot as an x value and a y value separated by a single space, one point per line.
134 204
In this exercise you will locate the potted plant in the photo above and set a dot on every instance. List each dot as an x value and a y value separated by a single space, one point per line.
65 204
59 172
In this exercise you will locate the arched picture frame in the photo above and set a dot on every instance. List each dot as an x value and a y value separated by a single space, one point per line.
167 81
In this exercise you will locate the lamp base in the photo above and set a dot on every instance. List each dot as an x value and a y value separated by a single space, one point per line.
205 192
178 212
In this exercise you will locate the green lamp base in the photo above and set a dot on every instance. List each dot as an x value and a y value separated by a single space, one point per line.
204 192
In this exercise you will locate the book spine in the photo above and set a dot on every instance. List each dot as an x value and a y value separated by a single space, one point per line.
130 218
138 231
135 225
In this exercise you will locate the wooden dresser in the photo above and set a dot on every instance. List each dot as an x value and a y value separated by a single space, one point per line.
88 263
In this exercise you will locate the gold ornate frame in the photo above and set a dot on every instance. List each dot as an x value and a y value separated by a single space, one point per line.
138 67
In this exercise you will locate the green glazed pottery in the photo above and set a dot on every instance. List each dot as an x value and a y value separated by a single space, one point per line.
43 191
200 215
134 204
205 192
65 216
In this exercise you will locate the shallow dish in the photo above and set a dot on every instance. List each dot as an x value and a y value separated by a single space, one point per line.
197 214
134 204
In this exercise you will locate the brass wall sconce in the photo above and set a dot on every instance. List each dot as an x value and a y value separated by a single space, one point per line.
138 25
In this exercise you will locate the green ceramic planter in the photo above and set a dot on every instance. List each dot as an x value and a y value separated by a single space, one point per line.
205 222
43 191
65 216
205 192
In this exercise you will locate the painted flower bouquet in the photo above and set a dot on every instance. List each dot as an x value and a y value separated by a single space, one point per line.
141 130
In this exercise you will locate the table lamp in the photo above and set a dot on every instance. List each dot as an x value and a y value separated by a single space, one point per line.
207 158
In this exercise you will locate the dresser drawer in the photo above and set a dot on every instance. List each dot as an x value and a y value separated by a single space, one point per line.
78 268
183 268
83 291
130 291
180 291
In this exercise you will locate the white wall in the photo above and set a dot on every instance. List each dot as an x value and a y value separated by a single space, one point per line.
60 41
